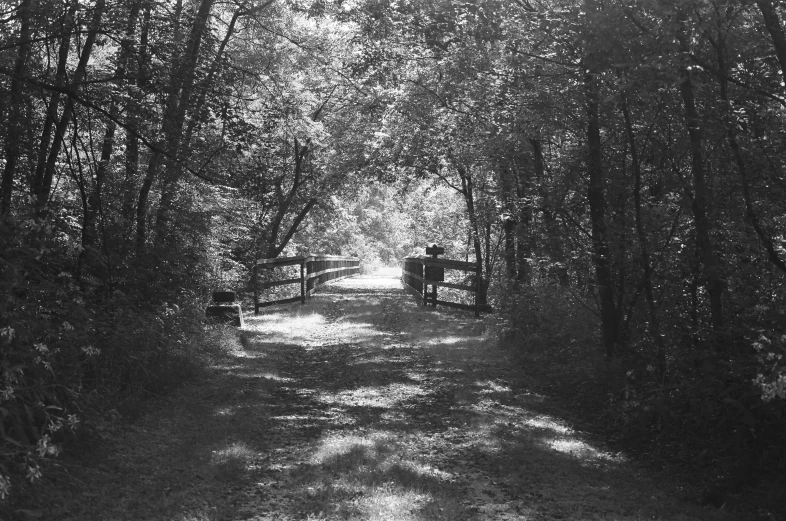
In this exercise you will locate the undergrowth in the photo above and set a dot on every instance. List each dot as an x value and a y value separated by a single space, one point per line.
706 417
80 349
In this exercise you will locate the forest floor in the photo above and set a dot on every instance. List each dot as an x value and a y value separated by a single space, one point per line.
360 405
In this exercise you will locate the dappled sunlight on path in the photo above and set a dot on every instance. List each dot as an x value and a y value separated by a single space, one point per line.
361 405
384 410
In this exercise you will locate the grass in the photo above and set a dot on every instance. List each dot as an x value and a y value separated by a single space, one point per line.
358 406
376 477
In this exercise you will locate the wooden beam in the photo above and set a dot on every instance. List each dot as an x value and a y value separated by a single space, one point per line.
450 264
438 283
413 275
455 305
331 270
416 292
332 257
315 275
274 302
450 285
274 283
280 261
443 263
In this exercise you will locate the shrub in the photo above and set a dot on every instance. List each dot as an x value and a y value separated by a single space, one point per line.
718 408
70 348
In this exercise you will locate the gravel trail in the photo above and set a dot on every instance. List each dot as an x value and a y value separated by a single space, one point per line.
360 405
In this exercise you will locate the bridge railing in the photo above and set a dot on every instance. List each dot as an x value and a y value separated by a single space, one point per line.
315 270
419 272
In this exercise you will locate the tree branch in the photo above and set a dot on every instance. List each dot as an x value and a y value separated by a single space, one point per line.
87 103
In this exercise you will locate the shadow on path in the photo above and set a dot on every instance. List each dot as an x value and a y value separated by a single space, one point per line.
375 408
361 405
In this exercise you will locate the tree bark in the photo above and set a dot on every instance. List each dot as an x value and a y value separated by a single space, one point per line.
750 210
180 84
509 221
139 70
170 184
555 248
66 28
469 198
293 228
509 228
712 271
15 126
773 23
284 201
597 202
524 225
174 118
65 119
89 232
143 201
643 243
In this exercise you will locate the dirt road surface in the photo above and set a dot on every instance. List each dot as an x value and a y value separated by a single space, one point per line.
360 405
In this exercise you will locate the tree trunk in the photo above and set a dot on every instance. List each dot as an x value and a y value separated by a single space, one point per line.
558 268
15 125
65 119
524 224
66 27
293 228
643 245
198 105
712 275
750 210
143 202
89 232
712 272
284 203
469 199
509 227
773 23
174 118
524 246
509 221
139 70
597 203
179 88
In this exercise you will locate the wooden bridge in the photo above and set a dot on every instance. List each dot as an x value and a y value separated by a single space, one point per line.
314 271
417 274
420 272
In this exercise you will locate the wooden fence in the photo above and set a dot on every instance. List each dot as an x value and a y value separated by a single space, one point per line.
417 273
314 271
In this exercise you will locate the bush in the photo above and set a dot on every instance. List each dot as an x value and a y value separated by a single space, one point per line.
717 409
43 346
548 314
71 349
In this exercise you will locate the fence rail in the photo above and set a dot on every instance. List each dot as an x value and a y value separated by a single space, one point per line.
315 270
419 272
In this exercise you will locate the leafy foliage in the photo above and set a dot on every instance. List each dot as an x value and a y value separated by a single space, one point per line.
614 156
624 153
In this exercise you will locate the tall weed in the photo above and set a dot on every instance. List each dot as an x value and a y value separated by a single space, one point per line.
72 350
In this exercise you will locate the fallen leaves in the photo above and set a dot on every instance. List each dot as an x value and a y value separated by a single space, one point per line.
360 412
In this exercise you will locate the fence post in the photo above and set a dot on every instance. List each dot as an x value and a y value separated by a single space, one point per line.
423 284
256 289
306 263
303 282
419 282
478 282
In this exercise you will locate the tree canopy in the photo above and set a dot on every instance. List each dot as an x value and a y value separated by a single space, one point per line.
626 155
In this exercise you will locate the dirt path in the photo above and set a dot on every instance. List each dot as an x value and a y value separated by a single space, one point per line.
360 405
